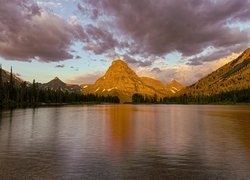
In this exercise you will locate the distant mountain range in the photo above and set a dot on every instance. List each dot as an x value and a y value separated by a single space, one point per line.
233 76
55 84
120 80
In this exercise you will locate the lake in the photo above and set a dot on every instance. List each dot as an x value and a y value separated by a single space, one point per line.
126 141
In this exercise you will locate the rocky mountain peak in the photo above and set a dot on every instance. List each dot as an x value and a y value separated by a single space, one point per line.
174 81
119 70
120 80
119 65
56 83
119 62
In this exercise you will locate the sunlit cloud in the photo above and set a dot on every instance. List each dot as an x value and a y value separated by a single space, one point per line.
185 74
89 78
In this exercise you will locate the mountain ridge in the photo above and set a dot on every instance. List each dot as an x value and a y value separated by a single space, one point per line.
120 80
234 75
6 77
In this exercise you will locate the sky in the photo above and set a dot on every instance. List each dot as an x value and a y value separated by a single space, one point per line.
77 40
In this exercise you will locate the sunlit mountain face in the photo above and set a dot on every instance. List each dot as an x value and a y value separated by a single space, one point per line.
78 40
233 76
121 81
132 89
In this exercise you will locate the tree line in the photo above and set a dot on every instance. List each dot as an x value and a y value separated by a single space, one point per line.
231 97
22 94
144 99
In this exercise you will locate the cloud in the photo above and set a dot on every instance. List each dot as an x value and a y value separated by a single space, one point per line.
135 61
74 20
78 57
89 11
214 55
131 60
60 66
86 78
139 31
27 33
49 4
18 75
101 41
185 74
187 26
156 70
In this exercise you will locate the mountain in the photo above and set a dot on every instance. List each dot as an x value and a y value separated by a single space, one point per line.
157 85
83 86
233 76
6 77
57 84
54 84
121 81
175 86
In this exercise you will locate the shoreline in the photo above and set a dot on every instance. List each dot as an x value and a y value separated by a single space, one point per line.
42 105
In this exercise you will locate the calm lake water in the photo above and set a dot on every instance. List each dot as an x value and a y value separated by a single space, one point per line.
126 141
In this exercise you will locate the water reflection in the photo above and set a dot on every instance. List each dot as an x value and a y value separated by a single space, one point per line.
125 141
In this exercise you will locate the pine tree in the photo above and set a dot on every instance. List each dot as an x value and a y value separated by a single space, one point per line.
11 85
1 86
34 92
11 76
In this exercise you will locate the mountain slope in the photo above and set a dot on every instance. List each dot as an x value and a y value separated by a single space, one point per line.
121 81
233 76
161 88
57 84
174 86
6 77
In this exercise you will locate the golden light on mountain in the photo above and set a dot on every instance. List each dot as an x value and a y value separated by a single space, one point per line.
120 80
233 76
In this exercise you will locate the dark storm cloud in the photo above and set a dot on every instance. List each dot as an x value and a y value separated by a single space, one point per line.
101 41
187 26
26 33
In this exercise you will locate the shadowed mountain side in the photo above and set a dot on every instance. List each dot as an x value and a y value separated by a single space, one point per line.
57 84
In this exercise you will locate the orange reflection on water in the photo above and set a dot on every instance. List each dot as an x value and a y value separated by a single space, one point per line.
120 127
